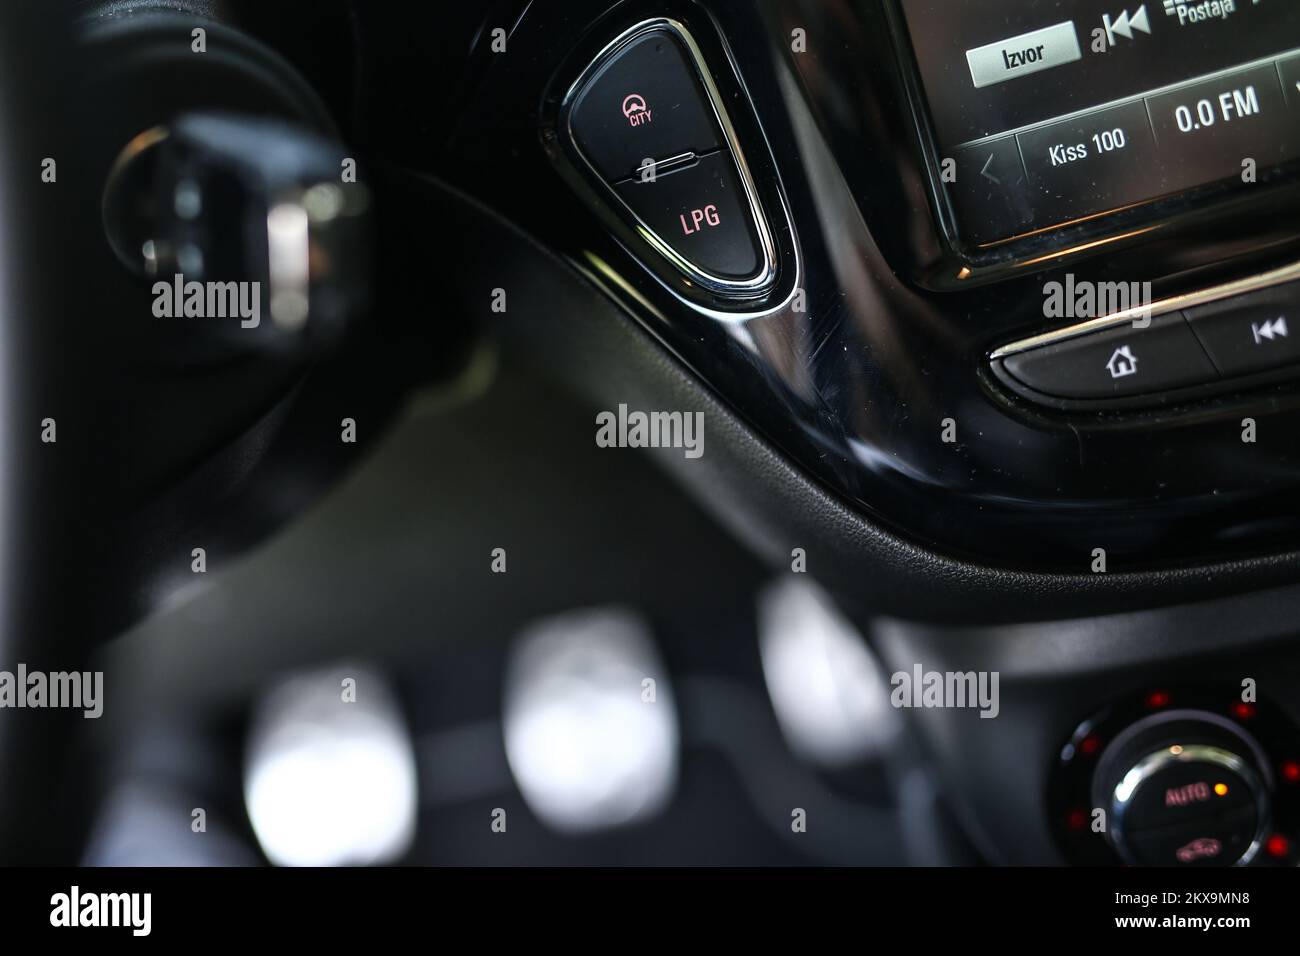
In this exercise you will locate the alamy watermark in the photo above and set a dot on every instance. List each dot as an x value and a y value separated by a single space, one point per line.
946 689
80 690
631 429
1073 299
128 910
208 300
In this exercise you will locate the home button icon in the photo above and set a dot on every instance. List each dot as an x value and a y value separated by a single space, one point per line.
1123 363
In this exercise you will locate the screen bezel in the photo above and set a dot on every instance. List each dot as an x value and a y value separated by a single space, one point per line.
969 263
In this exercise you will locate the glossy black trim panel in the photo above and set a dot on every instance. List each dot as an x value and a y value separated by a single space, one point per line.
853 365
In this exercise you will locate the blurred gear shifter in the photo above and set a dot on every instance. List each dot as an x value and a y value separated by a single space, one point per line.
215 199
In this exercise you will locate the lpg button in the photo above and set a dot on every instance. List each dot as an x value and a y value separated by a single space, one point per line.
702 214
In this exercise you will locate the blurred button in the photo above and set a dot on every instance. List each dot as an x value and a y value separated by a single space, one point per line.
590 724
1187 793
1220 841
830 695
330 776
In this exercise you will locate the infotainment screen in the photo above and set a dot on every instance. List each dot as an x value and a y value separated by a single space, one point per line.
1047 112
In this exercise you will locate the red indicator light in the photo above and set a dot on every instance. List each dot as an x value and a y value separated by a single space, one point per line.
1278 846
1077 818
1157 699
1089 745
1291 771
1243 711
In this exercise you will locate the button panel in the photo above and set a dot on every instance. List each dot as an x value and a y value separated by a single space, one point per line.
648 122
1118 363
1192 813
645 102
1214 345
1188 776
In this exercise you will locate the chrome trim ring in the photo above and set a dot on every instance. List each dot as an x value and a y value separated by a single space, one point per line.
1153 763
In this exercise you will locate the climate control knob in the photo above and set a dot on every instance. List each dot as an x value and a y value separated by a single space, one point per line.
1184 788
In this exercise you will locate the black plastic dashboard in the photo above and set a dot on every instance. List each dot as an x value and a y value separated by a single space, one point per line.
873 353
739 208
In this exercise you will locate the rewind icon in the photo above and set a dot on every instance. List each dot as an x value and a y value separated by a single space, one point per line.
1270 331
1125 25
